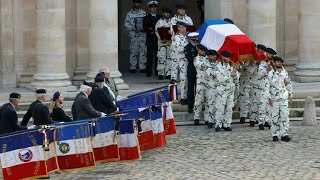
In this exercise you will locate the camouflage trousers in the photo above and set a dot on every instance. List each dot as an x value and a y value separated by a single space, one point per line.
201 99
164 60
264 109
211 104
179 67
254 108
224 104
138 50
244 97
280 118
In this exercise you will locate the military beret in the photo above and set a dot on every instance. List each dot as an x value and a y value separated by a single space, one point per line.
271 51
56 95
212 52
228 20
41 91
99 79
277 58
167 10
153 4
261 46
137 1
202 47
180 6
226 54
15 95
181 23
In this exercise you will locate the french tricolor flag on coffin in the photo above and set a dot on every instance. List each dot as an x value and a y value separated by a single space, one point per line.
73 146
220 35
105 144
22 155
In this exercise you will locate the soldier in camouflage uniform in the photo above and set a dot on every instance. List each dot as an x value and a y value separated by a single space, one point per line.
200 64
134 25
248 71
211 87
180 16
226 77
280 93
179 61
164 58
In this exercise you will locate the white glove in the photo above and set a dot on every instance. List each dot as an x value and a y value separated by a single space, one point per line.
117 109
103 114
32 127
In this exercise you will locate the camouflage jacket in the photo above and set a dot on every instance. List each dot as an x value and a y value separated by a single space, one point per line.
224 80
186 19
279 91
263 81
129 22
162 23
179 41
248 70
200 65
211 73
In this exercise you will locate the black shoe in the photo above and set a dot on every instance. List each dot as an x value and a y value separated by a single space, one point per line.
252 123
285 138
196 122
168 77
242 120
173 81
184 102
142 71
261 127
267 125
257 122
133 71
156 73
217 129
190 110
160 77
275 138
228 129
206 122
148 74
210 125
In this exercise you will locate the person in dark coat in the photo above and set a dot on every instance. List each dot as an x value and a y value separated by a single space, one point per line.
56 108
191 52
99 99
149 25
38 110
82 107
8 115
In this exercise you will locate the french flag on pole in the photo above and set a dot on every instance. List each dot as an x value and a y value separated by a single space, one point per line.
158 128
173 92
73 146
105 144
220 35
168 119
22 155
128 141
146 136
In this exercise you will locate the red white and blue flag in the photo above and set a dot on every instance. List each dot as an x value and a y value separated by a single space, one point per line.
158 128
220 35
50 151
22 155
105 144
168 119
145 136
73 146
173 92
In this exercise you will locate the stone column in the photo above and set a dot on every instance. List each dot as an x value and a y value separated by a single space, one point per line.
308 68
103 39
261 22
51 47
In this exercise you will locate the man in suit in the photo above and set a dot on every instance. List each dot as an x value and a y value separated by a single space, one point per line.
82 107
8 115
38 110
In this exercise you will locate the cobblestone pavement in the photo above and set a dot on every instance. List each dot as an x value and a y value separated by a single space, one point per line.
197 152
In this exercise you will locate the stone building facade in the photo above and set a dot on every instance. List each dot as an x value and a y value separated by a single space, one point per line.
59 43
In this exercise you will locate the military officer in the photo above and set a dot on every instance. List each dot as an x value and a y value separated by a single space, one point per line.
149 23
134 25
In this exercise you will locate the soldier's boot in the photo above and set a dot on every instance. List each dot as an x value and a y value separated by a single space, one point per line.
261 127
275 138
196 122
267 125
217 129
285 138
173 81
143 71
210 125
242 120
206 122
133 71
160 77
168 77
228 129
252 123
184 102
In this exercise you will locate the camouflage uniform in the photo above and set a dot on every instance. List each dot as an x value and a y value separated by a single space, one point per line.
279 93
225 95
263 83
179 62
212 89
247 72
200 64
254 94
186 19
137 40
164 58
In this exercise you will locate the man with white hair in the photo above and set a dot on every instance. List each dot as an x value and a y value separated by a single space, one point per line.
110 84
38 110
82 107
